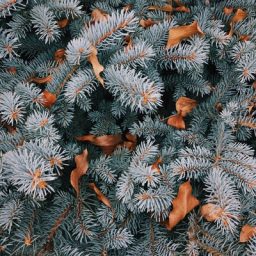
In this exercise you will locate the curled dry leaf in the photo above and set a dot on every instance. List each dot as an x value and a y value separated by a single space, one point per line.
245 38
211 212
41 80
169 8
247 233
165 8
155 165
59 55
82 165
12 70
182 205
108 143
240 15
185 105
97 67
99 15
147 23
100 195
131 141
48 99
177 34
128 42
63 23
228 10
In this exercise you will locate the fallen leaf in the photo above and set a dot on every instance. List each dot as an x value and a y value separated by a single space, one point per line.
176 121
129 43
245 38
108 143
12 70
182 205
182 9
48 99
185 105
155 165
59 55
82 165
131 141
97 67
228 10
127 7
63 23
147 23
240 15
99 15
211 212
247 233
41 80
100 195
165 8
177 34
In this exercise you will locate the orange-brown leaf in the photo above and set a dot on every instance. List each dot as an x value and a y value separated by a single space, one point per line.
185 105
211 212
100 195
182 205
82 165
129 43
177 34
131 141
147 23
99 15
165 8
12 70
247 233
176 121
63 23
228 10
97 67
48 99
240 15
108 143
245 38
41 80
155 165
59 55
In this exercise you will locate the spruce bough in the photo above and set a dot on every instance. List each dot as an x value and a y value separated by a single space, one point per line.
127 127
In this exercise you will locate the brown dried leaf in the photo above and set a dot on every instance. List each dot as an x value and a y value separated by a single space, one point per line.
185 105
82 165
182 205
176 121
155 165
245 38
128 42
131 141
247 232
41 80
128 7
48 99
63 23
12 70
97 67
239 16
177 34
147 23
108 143
228 10
100 195
165 8
99 15
59 55
211 212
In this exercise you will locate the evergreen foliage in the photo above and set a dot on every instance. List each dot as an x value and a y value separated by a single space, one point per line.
116 78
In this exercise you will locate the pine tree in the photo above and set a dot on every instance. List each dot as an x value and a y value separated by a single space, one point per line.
127 127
